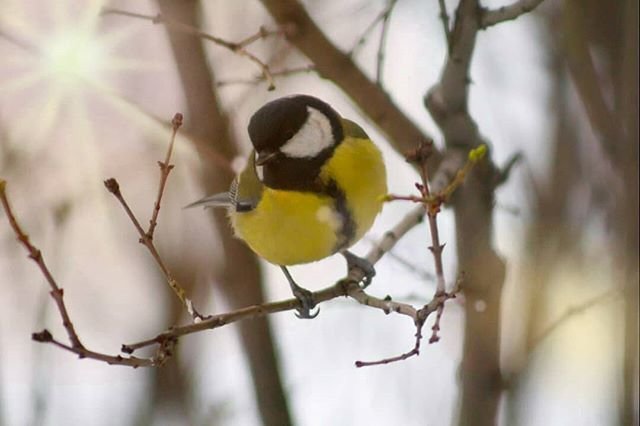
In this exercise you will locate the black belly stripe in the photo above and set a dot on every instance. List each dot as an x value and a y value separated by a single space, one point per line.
348 229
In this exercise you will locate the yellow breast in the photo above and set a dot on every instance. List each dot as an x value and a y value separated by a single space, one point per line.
289 227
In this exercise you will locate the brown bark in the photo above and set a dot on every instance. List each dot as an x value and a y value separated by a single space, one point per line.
611 32
240 275
627 214
447 101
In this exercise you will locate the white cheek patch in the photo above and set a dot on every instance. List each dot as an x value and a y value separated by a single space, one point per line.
313 137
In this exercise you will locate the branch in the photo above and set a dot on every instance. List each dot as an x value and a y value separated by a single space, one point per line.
57 294
505 171
383 41
165 169
507 13
146 238
384 18
582 68
345 287
238 48
166 341
274 74
444 17
447 102
363 37
432 205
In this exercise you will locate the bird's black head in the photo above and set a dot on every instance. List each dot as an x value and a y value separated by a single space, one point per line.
293 137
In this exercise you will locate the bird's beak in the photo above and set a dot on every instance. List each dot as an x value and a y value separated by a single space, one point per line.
265 157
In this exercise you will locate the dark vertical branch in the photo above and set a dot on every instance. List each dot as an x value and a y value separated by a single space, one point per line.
240 275
615 41
627 87
484 271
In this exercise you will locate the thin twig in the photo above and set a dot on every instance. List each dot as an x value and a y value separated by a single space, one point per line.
146 238
435 305
408 264
444 17
166 341
420 156
382 16
262 34
261 78
383 42
506 13
505 171
345 287
432 213
57 294
238 48
165 169
36 255
431 204
415 351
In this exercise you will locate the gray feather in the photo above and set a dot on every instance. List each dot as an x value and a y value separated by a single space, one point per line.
223 199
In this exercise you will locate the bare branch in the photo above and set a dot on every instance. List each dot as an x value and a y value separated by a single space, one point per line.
505 171
57 294
383 41
444 17
146 238
447 102
165 169
583 71
35 255
382 16
420 157
345 287
432 205
507 13
274 74
435 305
238 48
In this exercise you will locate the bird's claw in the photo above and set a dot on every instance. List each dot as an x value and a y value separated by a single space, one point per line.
305 297
361 263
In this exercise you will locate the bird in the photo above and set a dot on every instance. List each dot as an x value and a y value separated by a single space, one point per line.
312 187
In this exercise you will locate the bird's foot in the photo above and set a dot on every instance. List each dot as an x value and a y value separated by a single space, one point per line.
361 263
304 296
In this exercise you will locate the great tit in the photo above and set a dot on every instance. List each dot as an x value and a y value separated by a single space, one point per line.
312 187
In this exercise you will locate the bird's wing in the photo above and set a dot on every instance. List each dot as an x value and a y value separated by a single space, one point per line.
244 194
222 199
353 129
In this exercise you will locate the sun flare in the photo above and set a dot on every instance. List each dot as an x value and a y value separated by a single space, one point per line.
74 55
58 60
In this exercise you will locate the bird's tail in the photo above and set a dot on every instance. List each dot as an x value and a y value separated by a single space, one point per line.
222 199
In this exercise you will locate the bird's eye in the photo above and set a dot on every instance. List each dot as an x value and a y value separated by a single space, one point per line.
288 134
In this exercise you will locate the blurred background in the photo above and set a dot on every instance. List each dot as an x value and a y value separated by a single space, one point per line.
85 96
